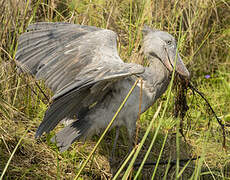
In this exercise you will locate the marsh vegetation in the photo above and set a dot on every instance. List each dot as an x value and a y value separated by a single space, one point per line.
203 30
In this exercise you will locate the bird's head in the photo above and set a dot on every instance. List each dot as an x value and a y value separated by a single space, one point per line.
163 47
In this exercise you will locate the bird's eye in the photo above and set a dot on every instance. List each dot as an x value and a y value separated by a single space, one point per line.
169 42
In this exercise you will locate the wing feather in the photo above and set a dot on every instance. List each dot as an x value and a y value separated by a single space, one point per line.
79 63
58 25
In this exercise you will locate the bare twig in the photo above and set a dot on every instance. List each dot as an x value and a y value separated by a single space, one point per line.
172 162
213 112
181 105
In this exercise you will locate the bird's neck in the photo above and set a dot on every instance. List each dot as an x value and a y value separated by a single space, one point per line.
157 68
157 78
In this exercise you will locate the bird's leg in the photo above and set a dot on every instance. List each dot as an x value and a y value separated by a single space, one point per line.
131 145
114 144
131 134
131 137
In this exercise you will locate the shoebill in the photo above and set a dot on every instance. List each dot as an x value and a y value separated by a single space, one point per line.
81 65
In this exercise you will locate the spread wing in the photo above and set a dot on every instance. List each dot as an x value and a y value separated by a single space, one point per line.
78 63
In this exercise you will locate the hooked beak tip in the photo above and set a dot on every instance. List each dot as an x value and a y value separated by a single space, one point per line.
182 70
185 74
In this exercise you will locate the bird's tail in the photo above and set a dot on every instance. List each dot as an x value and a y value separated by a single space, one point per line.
70 134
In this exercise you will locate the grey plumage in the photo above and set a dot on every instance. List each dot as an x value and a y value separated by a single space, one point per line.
81 65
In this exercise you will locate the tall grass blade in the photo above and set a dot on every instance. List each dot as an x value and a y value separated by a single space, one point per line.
12 155
167 169
141 144
158 160
124 163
